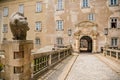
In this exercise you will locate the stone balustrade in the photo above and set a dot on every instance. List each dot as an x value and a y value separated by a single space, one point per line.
44 61
112 53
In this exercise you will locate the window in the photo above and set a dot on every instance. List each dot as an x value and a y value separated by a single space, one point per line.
59 4
5 28
38 26
113 22
59 24
18 69
37 41
114 42
5 11
91 17
21 8
85 3
38 7
59 41
18 55
113 2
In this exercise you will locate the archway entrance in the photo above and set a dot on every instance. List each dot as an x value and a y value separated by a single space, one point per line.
86 44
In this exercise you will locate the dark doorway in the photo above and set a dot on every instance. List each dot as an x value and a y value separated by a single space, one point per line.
86 44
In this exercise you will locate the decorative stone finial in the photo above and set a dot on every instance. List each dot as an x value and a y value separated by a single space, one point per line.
19 26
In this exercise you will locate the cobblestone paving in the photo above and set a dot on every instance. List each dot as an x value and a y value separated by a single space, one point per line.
89 67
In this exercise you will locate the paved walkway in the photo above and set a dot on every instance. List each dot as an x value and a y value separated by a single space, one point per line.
60 71
89 67
83 67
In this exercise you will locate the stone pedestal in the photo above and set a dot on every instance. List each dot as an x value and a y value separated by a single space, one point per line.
17 59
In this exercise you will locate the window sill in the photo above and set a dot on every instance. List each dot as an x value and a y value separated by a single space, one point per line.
5 32
113 47
37 45
59 30
59 9
85 7
5 16
114 28
38 30
113 5
38 12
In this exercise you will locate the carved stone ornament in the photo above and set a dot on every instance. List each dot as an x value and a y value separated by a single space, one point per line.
18 26
77 33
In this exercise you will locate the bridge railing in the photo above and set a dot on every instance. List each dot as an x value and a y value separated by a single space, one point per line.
112 53
43 61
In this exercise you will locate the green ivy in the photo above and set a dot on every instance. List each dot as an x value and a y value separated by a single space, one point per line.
1 67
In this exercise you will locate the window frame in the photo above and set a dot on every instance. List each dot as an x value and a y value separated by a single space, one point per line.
38 26
21 8
113 3
60 5
5 28
114 41
37 41
5 11
60 25
85 4
91 17
39 6
114 21
59 41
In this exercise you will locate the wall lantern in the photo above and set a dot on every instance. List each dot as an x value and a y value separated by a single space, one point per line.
69 32
105 31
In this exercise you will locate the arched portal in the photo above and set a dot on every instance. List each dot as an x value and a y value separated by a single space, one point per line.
86 44
85 36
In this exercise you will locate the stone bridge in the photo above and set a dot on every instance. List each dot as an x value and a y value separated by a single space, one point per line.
86 66
62 64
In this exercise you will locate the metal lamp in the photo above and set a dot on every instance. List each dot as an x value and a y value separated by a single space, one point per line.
69 32
105 31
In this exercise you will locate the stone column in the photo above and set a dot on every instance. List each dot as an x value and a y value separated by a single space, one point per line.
77 44
94 44
17 59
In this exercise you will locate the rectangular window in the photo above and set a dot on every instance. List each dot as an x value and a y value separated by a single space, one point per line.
113 22
59 41
18 69
5 11
91 17
21 8
85 3
37 41
18 55
59 4
38 7
114 42
113 2
5 28
59 24
38 25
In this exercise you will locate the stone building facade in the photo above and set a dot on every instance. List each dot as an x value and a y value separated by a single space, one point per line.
77 22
